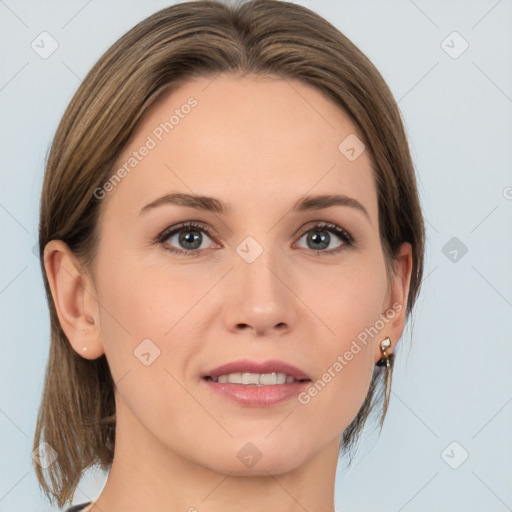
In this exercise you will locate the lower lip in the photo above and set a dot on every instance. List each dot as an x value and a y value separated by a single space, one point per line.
252 395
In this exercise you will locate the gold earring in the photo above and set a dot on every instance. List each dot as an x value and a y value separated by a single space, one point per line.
387 362
387 359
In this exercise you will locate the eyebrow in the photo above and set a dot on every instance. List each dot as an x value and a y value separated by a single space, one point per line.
211 204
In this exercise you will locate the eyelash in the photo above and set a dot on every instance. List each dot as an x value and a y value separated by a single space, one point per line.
348 240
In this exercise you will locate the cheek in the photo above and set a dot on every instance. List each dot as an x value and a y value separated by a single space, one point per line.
133 318
143 301
341 384
140 310
147 318
349 298
350 304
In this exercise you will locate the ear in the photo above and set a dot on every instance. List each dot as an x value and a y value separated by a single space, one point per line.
396 301
74 297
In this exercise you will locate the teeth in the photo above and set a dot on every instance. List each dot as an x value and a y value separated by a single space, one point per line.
250 378
259 379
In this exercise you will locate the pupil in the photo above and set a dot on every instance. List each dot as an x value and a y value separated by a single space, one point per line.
322 239
189 237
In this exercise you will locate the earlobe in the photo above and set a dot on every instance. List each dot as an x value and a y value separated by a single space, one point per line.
74 298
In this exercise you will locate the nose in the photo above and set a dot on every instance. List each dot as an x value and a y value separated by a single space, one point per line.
260 297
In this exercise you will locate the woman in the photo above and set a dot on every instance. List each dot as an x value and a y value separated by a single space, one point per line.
231 243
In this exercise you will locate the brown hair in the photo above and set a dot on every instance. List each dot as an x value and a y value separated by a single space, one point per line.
198 38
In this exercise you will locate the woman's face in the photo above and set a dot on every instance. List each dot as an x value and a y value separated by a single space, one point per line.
253 282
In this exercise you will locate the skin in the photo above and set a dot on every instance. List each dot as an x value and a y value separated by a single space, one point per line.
258 144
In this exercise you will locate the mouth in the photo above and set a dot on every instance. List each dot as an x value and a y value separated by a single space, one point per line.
256 384
260 373
255 379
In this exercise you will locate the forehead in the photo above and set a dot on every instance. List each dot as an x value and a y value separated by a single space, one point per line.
251 139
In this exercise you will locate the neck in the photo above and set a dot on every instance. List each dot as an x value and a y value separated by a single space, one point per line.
147 475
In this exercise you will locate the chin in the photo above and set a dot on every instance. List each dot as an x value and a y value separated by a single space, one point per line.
258 457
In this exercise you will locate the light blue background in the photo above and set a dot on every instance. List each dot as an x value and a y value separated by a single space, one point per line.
453 379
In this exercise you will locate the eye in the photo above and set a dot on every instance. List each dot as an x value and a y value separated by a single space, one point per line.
191 238
319 238
185 238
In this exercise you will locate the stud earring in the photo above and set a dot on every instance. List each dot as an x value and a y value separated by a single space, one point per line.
387 359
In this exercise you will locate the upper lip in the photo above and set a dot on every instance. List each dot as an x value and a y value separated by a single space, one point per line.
250 366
